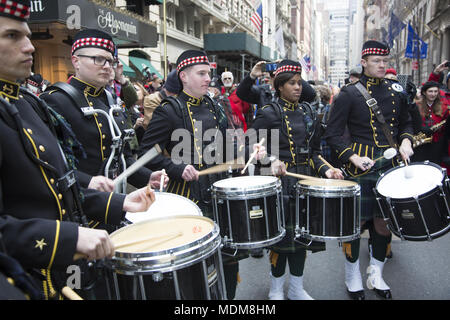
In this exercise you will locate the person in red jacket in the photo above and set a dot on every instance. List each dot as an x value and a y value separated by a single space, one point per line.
444 91
239 107
444 95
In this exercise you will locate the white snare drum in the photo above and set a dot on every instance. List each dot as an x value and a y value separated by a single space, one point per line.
249 211
415 200
328 209
166 205
167 258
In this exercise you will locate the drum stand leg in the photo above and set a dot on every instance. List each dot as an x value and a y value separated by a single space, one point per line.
222 286
142 287
423 218
205 280
177 286
116 285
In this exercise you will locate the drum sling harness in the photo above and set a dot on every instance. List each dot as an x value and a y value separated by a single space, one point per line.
373 106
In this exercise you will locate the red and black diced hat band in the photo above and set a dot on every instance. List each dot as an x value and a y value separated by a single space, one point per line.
375 48
288 66
15 9
190 58
93 38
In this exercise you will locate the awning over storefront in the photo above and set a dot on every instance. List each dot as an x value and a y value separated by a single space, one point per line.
230 44
128 31
141 64
127 71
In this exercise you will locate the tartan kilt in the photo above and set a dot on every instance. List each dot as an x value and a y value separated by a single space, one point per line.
368 181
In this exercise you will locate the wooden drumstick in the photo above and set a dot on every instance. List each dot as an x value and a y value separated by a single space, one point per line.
252 156
327 163
70 294
301 176
234 164
171 235
161 184
134 242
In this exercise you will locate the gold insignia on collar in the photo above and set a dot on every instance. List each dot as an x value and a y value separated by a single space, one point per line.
40 244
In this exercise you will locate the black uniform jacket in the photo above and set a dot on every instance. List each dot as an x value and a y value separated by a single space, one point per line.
34 214
167 128
350 109
93 132
290 125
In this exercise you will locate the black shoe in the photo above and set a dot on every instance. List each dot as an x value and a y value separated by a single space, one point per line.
257 253
357 295
385 294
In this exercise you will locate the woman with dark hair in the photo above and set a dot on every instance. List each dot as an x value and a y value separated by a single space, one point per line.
432 113
299 148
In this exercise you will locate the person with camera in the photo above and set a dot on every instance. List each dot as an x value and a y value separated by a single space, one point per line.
262 95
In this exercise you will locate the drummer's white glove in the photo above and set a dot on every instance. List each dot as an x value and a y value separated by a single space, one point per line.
334 174
101 183
139 200
155 179
261 151
406 150
278 168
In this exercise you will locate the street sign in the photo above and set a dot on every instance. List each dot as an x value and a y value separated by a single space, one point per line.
415 65
213 65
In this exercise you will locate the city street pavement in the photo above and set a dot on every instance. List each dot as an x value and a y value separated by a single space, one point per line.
417 271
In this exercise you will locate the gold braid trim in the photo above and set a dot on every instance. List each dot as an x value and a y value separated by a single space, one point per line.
347 249
273 256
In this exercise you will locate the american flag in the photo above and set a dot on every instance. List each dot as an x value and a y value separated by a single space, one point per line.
257 18
306 63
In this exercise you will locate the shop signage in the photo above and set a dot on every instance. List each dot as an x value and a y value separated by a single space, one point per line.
86 14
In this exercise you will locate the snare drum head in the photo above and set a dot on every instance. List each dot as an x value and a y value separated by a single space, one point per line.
250 182
410 181
328 183
166 205
162 234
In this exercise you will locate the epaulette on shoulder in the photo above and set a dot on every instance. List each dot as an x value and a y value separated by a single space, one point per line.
266 106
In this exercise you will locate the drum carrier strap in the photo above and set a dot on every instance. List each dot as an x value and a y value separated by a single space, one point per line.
373 106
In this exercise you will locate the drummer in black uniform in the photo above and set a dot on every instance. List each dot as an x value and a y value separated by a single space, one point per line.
42 212
93 60
368 142
179 126
299 148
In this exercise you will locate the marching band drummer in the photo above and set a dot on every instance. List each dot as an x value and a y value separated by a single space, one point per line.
353 108
42 211
299 147
93 60
193 113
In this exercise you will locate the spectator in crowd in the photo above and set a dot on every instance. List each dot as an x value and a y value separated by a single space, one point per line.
432 113
239 107
171 87
354 75
141 94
